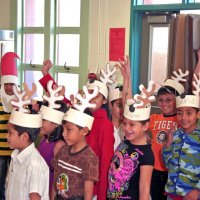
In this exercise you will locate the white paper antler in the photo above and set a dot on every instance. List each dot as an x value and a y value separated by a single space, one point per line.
146 96
178 77
85 101
107 74
196 84
22 96
53 95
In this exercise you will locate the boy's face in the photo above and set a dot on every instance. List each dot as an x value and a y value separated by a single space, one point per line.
14 139
72 134
187 117
117 109
167 103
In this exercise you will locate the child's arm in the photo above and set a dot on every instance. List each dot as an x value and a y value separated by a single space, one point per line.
166 151
88 190
35 196
47 77
145 181
124 67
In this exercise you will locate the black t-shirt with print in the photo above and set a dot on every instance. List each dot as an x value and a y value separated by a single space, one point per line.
124 171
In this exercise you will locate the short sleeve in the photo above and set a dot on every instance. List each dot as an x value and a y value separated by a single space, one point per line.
148 157
91 168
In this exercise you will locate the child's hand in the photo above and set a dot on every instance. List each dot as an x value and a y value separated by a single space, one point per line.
169 135
47 64
192 195
124 67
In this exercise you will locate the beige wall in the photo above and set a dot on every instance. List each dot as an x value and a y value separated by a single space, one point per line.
4 14
105 14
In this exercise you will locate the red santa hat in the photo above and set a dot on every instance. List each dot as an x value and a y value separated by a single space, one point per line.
9 68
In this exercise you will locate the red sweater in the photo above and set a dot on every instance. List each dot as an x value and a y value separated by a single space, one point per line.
44 80
101 140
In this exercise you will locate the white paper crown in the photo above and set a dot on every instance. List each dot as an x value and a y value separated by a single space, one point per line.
76 115
115 93
20 114
105 78
49 113
139 108
175 80
190 100
101 86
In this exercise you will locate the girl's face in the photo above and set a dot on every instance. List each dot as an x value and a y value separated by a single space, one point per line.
47 127
99 100
187 117
15 140
167 104
72 133
135 131
117 109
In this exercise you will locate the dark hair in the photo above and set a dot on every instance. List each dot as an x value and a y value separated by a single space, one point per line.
63 107
56 134
167 90
32 132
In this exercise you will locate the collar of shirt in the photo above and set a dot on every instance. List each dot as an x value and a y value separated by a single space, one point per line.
23 154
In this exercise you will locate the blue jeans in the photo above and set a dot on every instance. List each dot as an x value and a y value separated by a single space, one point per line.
4 163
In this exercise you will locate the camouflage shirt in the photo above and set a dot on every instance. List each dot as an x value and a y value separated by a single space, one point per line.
182 159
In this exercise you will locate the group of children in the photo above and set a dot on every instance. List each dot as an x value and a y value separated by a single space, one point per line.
85 155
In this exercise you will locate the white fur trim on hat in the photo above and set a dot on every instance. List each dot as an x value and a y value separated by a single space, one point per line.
187 101
9 79
25 119
79 118
51 114
102 87
174 84
139 114
115 94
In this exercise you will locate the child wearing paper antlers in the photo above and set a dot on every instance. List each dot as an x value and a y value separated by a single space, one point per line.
8 79
181 153
28 175
76 165
132 164
52 128
116 108
101 137
160 124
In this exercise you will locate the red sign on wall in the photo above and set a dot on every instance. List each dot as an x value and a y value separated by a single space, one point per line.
116 44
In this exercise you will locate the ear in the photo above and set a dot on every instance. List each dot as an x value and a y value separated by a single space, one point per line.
104 100
146 126
198 114
25 136
85 130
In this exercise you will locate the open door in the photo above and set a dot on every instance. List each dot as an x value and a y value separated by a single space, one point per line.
170 41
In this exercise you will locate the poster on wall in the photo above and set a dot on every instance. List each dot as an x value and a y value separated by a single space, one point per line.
116 44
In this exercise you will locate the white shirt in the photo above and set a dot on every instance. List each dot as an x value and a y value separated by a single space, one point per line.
118 135
28 173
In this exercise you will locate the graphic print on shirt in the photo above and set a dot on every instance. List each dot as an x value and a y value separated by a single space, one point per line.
121 170
62 184
162 126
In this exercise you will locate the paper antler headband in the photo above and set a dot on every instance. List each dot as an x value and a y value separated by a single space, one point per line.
139 107
20 114
77 115
49 113
176 79
105 79
190 100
